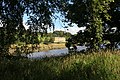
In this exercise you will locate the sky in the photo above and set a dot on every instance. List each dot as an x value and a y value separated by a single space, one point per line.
59 25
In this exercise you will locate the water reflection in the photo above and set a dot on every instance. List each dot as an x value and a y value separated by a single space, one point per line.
56 52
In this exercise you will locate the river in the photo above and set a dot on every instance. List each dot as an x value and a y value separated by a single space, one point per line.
49 53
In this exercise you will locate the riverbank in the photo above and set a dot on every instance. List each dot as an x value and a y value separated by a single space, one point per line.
35 47
89 66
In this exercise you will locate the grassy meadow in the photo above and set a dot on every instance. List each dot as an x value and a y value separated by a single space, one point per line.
104 65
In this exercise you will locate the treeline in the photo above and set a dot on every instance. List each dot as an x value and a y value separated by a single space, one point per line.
29 37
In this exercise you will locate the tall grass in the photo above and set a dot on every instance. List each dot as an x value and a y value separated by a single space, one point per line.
91 66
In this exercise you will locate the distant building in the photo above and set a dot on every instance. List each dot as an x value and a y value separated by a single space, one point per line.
59 39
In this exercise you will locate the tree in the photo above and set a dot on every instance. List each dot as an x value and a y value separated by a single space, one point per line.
58 33
11 15
88 13
109 31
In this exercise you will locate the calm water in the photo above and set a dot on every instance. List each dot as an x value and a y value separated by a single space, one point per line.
56 52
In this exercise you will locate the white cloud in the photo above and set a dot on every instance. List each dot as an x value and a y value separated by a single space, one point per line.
72 30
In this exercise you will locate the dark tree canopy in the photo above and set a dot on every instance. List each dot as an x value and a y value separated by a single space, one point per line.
98 16
40 14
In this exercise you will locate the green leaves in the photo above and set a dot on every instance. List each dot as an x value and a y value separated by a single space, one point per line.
90 14
11 15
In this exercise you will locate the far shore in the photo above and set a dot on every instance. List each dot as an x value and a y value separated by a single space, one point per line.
35 47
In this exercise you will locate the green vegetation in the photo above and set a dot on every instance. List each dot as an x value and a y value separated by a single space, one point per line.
37 37
36 41
92 66
98 16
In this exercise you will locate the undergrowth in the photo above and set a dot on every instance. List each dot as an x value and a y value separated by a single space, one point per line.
90 66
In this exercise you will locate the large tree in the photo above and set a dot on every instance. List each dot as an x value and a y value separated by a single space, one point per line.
88 13
40 14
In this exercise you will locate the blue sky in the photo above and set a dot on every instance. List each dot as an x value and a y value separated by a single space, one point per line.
59 25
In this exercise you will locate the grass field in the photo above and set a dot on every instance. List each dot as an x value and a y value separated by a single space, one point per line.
104 65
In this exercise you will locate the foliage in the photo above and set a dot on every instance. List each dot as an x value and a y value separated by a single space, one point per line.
91 66
98 16
88 13
109 30
11 17
61 34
